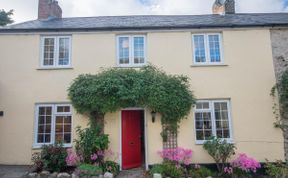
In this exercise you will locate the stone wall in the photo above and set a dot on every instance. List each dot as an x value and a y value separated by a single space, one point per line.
279 39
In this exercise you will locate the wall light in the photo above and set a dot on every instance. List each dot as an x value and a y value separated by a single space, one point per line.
153 114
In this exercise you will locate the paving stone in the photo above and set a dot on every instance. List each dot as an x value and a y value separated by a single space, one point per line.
132 173
13 171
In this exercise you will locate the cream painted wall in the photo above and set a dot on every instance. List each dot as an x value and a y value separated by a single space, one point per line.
246 79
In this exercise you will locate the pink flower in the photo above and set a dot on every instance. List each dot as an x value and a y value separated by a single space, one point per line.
72 158
94 157
228 170
245 163
178 155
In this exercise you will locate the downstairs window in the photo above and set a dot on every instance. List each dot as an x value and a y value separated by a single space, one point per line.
212 118
53 124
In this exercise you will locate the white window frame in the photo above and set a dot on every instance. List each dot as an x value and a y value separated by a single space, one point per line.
131 51
53 124
213 120
56 52
207 49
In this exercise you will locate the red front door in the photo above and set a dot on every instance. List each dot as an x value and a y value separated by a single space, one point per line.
131 139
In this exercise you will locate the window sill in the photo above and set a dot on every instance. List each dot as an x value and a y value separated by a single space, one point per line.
202 142
54 68
130 66
39 146
208 65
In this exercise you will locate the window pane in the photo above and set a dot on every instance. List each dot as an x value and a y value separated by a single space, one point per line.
41 120
44 124
64 47
59 138
67 138
214 47
59 128
48 53
202 105
123 47
67 120
199 46
203 125
138 50
63 129
199 135
67 128
222 120
63 109
40 138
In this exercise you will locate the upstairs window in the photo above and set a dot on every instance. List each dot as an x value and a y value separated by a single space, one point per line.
212 118
207 48
131 51
56 51
53 124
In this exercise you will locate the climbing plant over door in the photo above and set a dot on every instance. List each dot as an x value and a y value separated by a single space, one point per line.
116 88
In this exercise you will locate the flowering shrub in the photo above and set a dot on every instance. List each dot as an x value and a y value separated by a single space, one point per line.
242 166
72 159
245 163
91 141
53 157
178 155
220 150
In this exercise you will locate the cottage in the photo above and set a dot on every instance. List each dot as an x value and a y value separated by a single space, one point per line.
227 56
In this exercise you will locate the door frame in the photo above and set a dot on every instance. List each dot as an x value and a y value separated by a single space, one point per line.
145 135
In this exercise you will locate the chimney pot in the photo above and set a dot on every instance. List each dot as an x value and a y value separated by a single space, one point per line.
49 9
223 7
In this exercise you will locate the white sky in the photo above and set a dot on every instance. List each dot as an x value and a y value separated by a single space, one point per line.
27 9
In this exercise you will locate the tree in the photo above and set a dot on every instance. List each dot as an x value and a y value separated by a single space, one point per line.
5 17
149 87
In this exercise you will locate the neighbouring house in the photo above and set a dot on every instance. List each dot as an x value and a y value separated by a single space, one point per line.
279 40
227 56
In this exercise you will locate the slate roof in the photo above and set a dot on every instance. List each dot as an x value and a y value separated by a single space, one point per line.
151 22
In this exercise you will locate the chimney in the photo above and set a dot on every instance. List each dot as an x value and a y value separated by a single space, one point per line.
223 7
49 9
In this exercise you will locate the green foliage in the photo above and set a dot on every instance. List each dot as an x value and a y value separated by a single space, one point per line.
239 173
282 88
201 172
5 17
90 140
53 157
88 170
112 167
220 151
156 169
277 170
116 88
167 169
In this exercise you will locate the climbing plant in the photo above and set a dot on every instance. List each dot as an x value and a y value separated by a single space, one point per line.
281 88
116 88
